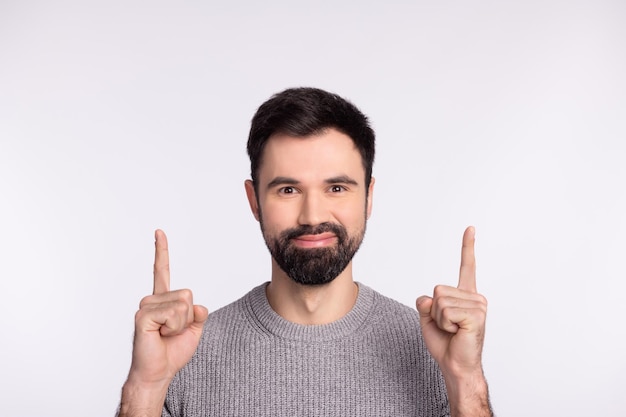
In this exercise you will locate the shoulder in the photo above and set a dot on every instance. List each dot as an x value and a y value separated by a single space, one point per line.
226 318
234 319
392 324
386 309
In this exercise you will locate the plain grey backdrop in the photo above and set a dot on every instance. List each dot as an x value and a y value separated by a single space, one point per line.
120 117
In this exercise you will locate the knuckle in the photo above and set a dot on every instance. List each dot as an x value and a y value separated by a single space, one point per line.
443 302
162 267
444 311
145 301
186 295
139 316
180 308
483 300
438 291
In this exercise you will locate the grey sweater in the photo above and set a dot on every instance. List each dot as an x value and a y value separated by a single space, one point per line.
253 363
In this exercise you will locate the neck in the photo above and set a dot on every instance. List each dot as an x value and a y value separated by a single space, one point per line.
311 304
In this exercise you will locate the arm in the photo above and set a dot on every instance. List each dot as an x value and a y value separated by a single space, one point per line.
453 324
168 327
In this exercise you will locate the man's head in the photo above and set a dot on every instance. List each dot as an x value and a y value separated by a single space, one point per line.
312 185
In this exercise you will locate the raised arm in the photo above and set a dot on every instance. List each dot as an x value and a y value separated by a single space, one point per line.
168 327
453 324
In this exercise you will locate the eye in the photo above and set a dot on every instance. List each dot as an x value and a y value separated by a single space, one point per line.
287 190
337 188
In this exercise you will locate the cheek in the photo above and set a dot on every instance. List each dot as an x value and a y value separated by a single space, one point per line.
276 217
352 215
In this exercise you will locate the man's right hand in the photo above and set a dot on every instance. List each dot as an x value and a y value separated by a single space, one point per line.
168 327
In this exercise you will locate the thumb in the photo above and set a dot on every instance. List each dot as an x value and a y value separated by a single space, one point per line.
424 305
200 314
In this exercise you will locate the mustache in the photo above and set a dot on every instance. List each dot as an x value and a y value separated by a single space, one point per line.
295 232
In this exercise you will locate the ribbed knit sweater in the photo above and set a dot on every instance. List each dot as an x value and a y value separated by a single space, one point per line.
253 363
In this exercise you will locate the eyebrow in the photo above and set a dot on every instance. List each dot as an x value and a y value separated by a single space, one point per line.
282 181
341 179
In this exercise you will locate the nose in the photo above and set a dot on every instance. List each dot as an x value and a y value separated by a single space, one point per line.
313 210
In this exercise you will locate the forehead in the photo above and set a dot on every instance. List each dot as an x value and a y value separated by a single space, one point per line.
330 153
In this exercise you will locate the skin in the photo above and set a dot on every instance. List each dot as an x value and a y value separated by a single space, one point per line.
309 181
168 327
453 325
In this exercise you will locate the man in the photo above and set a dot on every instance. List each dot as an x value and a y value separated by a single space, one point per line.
312 341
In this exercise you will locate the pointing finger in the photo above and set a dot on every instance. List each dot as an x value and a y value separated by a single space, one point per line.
467 273
161 263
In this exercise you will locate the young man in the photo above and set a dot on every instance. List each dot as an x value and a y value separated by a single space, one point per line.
312 341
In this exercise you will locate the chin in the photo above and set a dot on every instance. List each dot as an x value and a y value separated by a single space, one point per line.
308 282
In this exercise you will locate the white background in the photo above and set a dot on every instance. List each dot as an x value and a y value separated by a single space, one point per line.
119 117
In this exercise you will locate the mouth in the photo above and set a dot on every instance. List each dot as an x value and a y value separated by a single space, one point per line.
315 241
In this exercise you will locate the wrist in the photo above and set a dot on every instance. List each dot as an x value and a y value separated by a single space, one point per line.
468 394
142 400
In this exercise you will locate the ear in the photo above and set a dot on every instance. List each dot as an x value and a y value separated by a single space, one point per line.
370 197
252 200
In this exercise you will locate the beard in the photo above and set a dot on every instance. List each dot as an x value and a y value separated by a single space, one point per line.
313 266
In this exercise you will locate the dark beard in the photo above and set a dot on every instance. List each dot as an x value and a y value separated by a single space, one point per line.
313 266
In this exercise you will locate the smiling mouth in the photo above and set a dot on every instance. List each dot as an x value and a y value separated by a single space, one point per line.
315 241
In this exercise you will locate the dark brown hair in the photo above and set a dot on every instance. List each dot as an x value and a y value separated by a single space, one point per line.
308 111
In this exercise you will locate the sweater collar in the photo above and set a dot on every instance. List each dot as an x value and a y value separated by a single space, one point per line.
269 321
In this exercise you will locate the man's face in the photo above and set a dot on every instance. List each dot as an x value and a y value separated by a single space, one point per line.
312 204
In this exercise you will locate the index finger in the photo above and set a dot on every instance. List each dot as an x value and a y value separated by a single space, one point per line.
467 273
161 263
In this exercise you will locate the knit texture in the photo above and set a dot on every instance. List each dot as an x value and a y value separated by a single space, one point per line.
253 363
